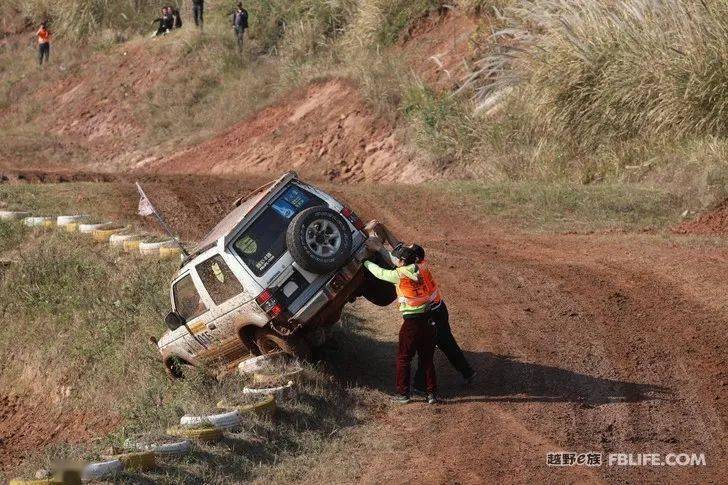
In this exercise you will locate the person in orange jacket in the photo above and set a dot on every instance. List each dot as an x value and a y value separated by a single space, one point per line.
44 42
444 339
414 288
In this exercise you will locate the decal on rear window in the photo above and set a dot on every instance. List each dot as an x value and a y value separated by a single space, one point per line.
284 208
264 242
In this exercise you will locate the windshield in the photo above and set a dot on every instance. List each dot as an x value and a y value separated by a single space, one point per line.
265 240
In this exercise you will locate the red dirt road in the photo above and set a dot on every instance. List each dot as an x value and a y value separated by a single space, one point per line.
581 343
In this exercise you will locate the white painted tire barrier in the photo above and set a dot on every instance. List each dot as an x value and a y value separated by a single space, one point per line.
153 247
164 449
280 392
11 215
256 364
103 235
64 220
293 374
95 471
90 228
263 407
206 435
118 239
227 420
170 252
35 221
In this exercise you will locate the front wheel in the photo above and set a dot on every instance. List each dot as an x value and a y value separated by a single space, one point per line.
269 342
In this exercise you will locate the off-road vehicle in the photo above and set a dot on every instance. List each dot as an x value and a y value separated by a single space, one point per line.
271 276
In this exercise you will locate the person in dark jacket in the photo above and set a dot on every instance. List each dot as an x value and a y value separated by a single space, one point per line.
166 22
444 339
198 10
240 25
176 17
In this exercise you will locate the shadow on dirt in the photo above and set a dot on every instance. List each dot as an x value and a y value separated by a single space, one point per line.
500 378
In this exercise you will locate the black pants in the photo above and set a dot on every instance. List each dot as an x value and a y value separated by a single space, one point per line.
44 50
444 341
197 13
240 37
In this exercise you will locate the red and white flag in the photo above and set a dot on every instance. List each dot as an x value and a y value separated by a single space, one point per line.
145 206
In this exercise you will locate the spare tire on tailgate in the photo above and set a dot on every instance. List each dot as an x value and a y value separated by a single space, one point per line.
319 239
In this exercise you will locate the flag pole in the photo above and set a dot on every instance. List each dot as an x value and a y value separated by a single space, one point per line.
146 206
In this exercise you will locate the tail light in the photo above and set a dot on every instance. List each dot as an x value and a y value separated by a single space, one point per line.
353 218
267 302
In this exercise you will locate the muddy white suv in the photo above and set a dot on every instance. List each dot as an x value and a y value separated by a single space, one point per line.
271 276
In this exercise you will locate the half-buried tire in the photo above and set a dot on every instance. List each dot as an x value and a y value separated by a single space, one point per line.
319 240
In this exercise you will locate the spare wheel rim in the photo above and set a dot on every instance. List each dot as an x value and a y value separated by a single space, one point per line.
323 238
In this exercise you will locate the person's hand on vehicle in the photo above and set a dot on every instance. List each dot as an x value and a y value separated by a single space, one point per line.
371 225
373 243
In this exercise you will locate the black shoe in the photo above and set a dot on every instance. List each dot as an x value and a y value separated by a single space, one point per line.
469 379
418 391
401 399
431 399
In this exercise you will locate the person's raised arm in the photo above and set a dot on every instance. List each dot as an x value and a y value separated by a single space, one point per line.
389 237
388 275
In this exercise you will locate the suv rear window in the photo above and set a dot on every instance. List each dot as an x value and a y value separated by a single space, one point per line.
265 240
220 283
187 301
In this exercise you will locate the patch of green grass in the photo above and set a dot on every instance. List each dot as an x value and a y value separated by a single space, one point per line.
564 207
442 125
11 235
99 199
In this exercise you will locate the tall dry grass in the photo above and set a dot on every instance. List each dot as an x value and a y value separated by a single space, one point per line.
79 19
601 72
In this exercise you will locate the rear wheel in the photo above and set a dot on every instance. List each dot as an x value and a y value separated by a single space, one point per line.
175 367
269 342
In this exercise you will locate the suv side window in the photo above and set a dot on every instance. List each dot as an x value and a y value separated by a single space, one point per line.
187 301
219 281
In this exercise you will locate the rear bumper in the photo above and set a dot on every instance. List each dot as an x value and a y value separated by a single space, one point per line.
334 294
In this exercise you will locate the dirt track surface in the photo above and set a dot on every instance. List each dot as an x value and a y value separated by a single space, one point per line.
581 343
607 343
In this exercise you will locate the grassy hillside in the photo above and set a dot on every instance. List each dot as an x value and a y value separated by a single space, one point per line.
616 92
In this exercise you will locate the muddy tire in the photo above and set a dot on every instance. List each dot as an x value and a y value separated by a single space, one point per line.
319 240
269 342
175 367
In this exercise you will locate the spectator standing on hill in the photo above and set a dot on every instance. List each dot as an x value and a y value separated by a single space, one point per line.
44 42
198 10
240 24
